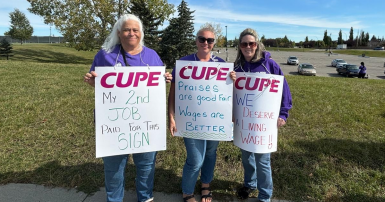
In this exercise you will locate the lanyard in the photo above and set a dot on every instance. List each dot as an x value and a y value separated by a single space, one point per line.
124 55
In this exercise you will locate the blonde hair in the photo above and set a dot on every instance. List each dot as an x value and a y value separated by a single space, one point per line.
113 39
240 59
207 29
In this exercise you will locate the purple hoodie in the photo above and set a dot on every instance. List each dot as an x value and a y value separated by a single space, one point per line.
271 68
146 56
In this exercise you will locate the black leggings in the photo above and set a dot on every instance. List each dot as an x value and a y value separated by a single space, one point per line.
361 75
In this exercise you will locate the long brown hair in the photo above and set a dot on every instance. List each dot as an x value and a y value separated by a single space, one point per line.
240 59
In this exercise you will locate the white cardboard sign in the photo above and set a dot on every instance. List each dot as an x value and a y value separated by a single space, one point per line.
257 102
203 100
130 110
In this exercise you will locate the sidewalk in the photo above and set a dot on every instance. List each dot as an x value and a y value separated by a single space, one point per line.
37 193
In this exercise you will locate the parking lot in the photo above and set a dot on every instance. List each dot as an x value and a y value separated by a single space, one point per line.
321 60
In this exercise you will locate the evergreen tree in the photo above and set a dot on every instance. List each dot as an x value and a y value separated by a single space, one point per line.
236 41
150 23
340 41
351 34
326 38
373 38
367 37
5 48
20 27
306 39
178 38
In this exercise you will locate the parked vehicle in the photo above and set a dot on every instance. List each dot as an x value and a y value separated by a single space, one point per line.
335 62
378 48
349 70
292 60
307 69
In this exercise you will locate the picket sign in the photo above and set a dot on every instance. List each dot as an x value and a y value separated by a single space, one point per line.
257 102
130 110
203 100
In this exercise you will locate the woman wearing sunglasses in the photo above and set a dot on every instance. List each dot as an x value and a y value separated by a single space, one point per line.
201 154
252 57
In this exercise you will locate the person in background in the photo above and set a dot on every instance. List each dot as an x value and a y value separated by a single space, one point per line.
124 47
252 57
201 154
362 72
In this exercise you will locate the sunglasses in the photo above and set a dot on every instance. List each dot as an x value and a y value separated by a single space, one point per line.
202 39
251 44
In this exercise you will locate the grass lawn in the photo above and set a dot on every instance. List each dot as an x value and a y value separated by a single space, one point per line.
332 148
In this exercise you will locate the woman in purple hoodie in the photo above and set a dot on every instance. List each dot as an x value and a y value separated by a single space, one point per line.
362 72
124 47
252 57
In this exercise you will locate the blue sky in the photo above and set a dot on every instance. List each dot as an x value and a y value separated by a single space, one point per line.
275 18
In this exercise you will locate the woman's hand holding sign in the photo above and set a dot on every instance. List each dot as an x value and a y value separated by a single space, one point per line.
90 78
281 122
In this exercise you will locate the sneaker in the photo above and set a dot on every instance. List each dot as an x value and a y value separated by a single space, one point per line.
244 192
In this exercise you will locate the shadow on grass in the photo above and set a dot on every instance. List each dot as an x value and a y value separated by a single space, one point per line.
308 175
89 177
361 154
47 56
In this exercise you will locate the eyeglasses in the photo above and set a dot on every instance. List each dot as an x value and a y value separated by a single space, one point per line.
202 39
251 44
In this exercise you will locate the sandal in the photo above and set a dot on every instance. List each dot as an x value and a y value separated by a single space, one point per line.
209 195
244 192
185 199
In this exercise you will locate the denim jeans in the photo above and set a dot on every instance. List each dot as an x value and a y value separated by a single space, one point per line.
258 174
201 156
114 167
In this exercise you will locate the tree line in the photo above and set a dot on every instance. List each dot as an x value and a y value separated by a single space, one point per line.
85 24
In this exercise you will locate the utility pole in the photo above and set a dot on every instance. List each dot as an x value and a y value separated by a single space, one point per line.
227 54
49 33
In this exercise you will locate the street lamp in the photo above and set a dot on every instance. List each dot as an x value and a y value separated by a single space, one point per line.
50 33
227 54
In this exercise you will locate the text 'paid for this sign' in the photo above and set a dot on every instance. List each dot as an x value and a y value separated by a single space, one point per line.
130 110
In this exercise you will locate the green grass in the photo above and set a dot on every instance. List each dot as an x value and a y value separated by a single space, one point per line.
332 148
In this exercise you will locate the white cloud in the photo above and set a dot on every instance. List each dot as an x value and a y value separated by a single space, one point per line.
203 14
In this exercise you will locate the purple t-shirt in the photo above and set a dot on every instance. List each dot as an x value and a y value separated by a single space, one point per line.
194 57
146 57
362 69
271 68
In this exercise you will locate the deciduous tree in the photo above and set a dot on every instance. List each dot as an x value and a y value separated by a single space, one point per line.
86 23
20 28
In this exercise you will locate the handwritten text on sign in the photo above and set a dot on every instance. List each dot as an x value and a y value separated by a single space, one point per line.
257 102
203 100
130 110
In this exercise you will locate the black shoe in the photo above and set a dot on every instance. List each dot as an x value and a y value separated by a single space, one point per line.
244 192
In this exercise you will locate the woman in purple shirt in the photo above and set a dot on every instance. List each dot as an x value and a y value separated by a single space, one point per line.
252 57
201 154
124 47
362 72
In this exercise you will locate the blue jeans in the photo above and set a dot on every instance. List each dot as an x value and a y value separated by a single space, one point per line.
258 173
201 156
114 167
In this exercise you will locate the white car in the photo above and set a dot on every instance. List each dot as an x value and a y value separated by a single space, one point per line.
307 69
292 60
338 62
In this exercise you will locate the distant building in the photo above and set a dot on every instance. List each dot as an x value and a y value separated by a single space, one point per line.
36 39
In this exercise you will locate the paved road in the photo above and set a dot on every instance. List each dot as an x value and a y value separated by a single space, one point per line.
37 193
321 60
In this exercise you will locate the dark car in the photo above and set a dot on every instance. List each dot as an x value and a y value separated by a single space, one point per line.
378 48
349 70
